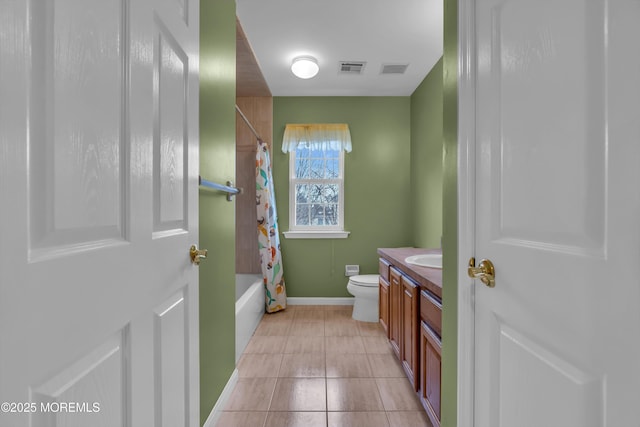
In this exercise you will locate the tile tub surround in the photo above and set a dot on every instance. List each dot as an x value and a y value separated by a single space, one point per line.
315 366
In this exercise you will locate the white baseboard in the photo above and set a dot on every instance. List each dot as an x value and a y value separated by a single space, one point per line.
320 301
216 412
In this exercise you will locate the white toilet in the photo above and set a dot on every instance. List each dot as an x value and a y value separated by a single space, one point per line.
365 290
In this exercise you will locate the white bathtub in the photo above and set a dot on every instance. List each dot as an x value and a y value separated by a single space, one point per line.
250 299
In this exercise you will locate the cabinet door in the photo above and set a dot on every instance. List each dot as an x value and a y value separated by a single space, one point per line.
384 305
395 310
410 342
430 370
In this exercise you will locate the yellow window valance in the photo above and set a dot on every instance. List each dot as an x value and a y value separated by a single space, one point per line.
325 136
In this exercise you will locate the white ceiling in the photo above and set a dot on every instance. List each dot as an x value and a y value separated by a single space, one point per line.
375 31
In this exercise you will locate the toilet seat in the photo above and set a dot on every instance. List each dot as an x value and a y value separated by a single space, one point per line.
365 280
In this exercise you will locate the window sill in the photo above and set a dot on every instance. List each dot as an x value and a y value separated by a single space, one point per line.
319 234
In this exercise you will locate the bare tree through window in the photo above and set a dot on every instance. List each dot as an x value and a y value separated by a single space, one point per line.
317 186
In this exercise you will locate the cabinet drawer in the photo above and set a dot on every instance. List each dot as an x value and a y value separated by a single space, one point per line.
431 311
384 269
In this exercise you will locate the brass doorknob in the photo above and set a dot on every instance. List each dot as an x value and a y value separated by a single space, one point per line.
197 254
484 271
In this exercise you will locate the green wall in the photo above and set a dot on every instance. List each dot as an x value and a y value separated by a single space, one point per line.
426 160
377 189
217 163
450 216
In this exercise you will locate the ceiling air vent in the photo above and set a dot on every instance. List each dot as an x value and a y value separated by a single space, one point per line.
351 67
393 68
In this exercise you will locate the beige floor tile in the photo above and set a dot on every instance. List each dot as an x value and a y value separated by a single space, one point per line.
242 419
251 394
397 394
409 419
371 329
313 328
266 344
347 378
286 314
299 394
273 328
340 314
348 366
305 345
311 307
385 366
259 365
347 328
308 315
303 365
357 419
344 345
343 307
353 395
377 345
296 419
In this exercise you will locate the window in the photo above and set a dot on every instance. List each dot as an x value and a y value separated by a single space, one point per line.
316 179
316 187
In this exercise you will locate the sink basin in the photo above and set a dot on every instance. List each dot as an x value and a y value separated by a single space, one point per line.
427 260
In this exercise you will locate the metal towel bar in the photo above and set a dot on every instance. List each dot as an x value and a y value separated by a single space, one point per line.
229 188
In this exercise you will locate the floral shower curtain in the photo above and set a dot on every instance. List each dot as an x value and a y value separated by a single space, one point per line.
268 237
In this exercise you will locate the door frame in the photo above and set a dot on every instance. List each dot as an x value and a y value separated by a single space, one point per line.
466 210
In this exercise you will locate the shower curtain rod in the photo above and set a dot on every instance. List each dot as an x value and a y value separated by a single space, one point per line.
249 124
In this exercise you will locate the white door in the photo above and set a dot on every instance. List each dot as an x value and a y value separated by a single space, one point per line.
557 157
98 196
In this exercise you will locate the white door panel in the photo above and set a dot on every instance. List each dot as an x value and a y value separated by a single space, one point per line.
93 387
545 94
98 182
557 146
76 174
171 346
524 363
170 133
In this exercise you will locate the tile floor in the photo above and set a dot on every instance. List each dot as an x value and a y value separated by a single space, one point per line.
314 366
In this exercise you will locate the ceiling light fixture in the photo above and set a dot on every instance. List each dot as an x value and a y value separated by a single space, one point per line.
304 67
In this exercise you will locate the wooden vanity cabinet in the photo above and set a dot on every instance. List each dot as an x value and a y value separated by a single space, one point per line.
411 313
395 311
410 323
383 307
